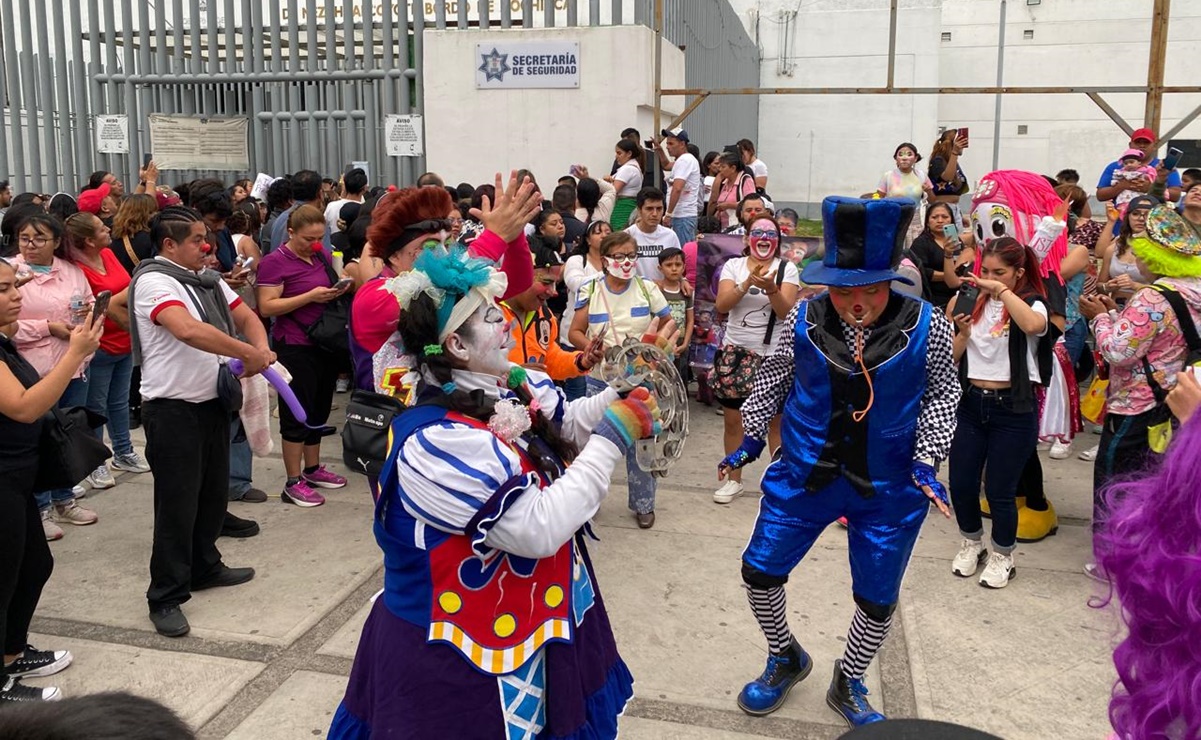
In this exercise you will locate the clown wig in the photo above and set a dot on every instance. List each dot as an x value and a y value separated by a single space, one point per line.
1151 551
1030 197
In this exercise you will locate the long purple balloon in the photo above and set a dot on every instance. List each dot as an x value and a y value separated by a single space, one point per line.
281 386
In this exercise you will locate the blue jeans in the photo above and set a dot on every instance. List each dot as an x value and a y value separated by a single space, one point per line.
685 229
75 395
1074 339
241 461
108 395
994 441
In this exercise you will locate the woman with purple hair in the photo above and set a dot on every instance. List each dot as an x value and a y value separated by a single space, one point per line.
1150 544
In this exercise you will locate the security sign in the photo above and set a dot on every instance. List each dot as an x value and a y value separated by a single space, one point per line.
534 64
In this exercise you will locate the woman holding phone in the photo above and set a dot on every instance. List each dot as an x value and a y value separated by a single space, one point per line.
111 370
945 173
939 251
294 285
43 337
1001 342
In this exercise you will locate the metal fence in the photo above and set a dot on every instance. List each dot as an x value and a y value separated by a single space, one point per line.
315 77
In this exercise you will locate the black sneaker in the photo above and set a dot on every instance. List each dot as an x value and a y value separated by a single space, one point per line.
235 526
35 663
170 621
224 576
12 691
252 496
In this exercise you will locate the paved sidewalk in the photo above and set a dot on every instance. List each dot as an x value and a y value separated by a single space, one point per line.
268 660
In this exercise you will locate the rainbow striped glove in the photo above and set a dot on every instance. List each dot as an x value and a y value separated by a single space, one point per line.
630 419
660 342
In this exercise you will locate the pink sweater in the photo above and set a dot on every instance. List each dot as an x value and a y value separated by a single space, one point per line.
44 300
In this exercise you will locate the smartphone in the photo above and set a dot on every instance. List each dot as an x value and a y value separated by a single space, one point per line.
966 301
951 231
963 270
146 159
247 263
100 307
1173 158
344 283
962 134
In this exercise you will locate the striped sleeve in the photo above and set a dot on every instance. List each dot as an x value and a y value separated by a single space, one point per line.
448 471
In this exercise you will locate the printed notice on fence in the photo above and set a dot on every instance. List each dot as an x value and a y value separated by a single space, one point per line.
528 64
112 134
200 143
402 135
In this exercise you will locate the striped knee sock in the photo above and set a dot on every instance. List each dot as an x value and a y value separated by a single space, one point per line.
863 642
769 606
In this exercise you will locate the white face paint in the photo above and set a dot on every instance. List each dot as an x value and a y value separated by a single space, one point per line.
622 269
487 341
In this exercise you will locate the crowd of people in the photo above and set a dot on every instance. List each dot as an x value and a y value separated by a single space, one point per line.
488 310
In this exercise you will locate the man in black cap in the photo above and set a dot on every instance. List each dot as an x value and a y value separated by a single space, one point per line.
535 329
868 391
684 191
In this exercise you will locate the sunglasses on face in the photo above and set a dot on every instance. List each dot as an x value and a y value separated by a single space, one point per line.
765 234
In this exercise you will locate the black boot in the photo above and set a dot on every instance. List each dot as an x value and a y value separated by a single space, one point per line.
848 697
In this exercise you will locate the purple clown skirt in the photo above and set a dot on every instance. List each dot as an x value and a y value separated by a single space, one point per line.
405 688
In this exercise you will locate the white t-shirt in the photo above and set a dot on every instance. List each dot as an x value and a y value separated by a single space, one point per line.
631 174
988 346
170 368
333 211
758 168
649 247
747 322
633 309
686 168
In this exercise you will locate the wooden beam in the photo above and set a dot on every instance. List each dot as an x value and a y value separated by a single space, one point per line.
1109 111
1155 65
696 102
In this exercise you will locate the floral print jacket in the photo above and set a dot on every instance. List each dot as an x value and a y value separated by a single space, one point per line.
1146 327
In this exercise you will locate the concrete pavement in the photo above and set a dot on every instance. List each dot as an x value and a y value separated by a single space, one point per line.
268 660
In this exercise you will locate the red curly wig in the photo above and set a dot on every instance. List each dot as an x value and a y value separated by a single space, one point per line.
401 209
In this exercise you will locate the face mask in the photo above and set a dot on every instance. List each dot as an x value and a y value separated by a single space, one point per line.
621 270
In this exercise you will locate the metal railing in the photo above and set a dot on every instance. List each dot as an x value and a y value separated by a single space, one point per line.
315 77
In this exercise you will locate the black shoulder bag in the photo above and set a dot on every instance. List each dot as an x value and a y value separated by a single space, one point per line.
68 449
329 331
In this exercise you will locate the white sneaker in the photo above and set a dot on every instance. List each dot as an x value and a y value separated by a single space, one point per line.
79 491
970 557
721 410
100 478
1090 454
729 491
998 571
1060 450
342 385
73 513
52 531
132 463
1043 446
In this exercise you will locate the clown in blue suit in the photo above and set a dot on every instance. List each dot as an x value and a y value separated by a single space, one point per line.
868 392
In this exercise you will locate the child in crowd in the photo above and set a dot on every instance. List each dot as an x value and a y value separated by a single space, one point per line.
671 264
1132 169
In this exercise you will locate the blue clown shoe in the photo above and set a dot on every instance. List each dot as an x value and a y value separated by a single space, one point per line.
848 697
765 694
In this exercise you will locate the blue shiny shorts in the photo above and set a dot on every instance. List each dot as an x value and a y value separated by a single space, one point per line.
881 531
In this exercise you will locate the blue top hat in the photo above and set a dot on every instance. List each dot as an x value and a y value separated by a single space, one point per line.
864 240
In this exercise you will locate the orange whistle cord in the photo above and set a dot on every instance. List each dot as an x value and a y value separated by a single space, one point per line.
860 415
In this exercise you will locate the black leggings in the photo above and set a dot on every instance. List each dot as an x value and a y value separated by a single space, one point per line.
314 375
25 560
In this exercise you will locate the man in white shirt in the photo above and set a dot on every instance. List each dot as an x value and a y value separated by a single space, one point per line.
650 235
354 184
183 321
684 199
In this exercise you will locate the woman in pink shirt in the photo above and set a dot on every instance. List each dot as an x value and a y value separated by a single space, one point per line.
43 336
735 184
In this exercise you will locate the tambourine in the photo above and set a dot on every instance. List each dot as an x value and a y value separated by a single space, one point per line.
633 364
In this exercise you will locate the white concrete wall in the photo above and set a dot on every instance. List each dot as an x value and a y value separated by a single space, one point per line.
470 133
845 42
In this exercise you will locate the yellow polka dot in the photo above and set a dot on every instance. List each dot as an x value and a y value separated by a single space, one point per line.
450 602
504 625
554 596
